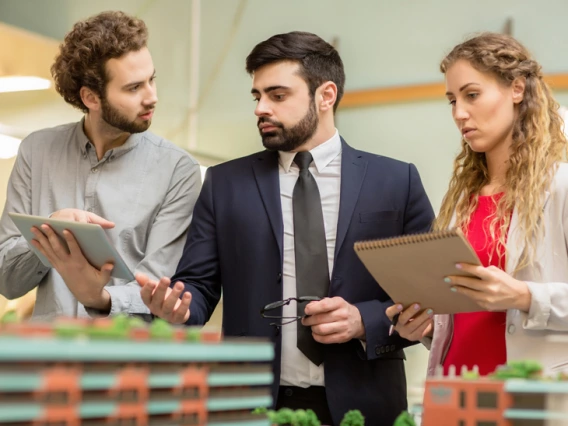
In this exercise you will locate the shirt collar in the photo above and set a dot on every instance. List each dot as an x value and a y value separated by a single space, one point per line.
85 144
323 154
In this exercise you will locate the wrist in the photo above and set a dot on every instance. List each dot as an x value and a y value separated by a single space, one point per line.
524 300
101 303
360 332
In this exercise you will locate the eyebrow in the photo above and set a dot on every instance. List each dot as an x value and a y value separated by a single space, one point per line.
134 83
269 89
465 86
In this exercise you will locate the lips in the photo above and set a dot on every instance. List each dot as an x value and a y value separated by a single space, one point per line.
468 131
147 115
267 128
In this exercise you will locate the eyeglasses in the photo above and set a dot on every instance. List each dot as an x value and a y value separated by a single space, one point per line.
280 303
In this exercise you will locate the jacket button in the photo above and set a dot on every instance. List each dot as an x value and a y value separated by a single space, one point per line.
387 349
377 351
393 347
279 277
288 392
511 328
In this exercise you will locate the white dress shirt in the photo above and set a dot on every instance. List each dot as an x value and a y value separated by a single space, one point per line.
297 369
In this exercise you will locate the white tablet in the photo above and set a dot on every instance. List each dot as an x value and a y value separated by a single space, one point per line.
92 239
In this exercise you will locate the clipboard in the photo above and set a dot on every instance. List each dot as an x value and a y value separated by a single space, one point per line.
412 268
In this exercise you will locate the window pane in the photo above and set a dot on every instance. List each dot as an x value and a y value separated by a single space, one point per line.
486 399
462 399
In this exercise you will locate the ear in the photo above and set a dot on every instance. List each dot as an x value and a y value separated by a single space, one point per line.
326 95
518 87
90 99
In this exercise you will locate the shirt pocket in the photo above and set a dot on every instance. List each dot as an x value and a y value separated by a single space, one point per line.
380 216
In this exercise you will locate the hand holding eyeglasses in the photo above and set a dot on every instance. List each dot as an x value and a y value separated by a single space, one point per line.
266 312
163 301
334 320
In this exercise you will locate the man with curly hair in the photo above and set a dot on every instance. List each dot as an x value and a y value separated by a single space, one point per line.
106 169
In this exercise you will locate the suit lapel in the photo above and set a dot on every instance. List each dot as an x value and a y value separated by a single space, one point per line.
265 169
353 169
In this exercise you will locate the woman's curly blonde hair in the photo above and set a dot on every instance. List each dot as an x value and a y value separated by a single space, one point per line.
538 146
86 49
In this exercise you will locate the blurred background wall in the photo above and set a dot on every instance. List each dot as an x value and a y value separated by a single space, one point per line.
199 49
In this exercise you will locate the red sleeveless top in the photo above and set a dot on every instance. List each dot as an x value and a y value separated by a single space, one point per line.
479 337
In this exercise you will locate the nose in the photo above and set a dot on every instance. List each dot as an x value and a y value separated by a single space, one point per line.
459 112
262 108
151 97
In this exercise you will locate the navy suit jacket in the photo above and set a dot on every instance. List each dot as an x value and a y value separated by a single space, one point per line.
235 244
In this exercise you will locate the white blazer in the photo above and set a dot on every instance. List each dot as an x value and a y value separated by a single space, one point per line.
526 334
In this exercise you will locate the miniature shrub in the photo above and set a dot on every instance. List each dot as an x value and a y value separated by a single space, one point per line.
353 418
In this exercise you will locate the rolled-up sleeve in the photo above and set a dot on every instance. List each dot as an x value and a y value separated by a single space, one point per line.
549 300
20 269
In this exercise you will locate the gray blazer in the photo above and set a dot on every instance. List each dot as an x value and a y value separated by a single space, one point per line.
547 277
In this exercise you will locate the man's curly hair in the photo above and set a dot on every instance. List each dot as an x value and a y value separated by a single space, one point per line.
87 48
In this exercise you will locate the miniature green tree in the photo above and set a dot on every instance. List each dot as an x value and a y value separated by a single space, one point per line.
518 370
10 317
68 330
353 418
286 416
404 419
161 329
283 416
136 322
193 334
117 330
470 375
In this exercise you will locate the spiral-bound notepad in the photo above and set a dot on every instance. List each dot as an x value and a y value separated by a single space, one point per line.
411 268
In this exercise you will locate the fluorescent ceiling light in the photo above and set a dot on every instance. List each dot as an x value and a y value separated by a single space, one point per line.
23 83
8 146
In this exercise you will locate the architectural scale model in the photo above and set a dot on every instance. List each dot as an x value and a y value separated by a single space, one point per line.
125 372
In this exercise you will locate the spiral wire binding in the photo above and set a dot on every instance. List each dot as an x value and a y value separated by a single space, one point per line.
406 239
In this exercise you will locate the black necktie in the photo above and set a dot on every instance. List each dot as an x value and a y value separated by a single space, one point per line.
312 272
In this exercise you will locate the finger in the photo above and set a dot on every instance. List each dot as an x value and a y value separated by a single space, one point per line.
418 322
469 282
44 245
408 313
324 318
325 305
160 295
329 328
466 291
141 279
421 331
391 311
477 270
55 241
106 271
40 248
331 338
97 220
74 249
172 300
146 293
182 313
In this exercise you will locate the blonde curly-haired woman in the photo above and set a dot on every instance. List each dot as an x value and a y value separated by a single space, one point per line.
509 194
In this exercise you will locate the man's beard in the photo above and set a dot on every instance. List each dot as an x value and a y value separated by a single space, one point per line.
289 139
114 118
